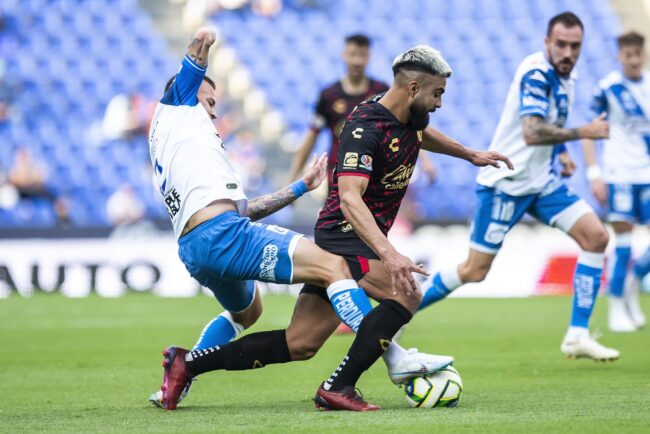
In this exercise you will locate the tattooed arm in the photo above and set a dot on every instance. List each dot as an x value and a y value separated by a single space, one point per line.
538 132
263 206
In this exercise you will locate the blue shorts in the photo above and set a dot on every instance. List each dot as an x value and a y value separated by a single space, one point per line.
497 212
629 203
228 252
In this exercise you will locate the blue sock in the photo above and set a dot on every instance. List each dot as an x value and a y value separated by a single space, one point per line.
586 282
642 266
219 331
443 283
620 265
349 301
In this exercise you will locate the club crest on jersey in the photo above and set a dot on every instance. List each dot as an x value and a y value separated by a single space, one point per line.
351 159
340 106
366 162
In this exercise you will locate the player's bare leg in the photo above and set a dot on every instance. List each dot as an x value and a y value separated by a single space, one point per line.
312 323
474 269
592 237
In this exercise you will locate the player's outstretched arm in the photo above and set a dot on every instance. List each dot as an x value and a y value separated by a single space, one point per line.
538 132
435 141
266 205
200 46
357 213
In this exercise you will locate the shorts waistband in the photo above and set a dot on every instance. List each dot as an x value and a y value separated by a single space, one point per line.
208 223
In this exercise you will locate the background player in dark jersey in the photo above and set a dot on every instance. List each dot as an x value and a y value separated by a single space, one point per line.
386 135
337 100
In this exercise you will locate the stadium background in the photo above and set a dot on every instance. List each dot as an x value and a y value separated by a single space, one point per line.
78 81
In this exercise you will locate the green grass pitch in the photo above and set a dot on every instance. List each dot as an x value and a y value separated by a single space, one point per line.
88 365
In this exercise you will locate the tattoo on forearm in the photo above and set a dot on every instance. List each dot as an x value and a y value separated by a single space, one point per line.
542 133
263 206
198 51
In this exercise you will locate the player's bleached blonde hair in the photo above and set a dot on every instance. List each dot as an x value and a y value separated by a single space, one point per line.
422 58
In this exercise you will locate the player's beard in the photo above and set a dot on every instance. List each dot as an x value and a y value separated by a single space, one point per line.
419 117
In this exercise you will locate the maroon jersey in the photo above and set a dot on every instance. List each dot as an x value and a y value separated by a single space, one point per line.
332 108
375 145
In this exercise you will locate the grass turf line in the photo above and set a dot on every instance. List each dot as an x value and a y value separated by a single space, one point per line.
88 365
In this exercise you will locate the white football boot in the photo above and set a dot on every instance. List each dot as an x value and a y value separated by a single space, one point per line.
156 397
416 364
632 289
585 346
619 320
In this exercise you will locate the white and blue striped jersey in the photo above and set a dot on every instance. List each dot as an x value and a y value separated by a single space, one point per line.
626 154
536 90
191 166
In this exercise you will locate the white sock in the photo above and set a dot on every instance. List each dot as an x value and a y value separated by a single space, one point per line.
577 332
450 278
393 354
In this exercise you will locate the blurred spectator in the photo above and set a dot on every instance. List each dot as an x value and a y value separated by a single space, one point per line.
123 207
9 196
127 116
29 177
248 160
266 7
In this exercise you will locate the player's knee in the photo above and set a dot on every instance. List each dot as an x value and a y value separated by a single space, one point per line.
302 350
249 316
597 240
335 269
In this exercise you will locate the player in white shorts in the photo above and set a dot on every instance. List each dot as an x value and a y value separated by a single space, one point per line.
623 184
531 133
225 249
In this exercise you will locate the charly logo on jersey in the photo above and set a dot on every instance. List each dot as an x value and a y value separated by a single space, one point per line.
398 178
172 202
366 162
351 159
269 261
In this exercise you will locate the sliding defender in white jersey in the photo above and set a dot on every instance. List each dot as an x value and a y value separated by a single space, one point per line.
531 133
225 250
623 183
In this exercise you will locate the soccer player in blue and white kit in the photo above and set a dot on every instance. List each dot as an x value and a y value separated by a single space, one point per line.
225 251
531 133
624 182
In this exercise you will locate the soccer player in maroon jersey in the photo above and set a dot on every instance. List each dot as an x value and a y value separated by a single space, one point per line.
379 146
337 101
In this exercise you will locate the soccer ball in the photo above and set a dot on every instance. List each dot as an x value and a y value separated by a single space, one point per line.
442 389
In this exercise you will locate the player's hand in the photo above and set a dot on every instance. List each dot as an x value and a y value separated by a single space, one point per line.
568 165
490 158
316 172
596 129
599 190
401 269
200 45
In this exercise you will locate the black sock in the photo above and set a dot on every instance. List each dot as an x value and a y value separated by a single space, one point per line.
250 352
375 334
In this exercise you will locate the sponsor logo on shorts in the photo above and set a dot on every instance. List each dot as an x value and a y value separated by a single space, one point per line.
495 233
269 261
366 162
351 159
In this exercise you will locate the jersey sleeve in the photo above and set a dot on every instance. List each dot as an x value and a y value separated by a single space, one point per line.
359 142
598 103
319 118
186 84
535 89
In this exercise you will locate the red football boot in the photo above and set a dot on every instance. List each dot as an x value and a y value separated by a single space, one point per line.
176 377
344 399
